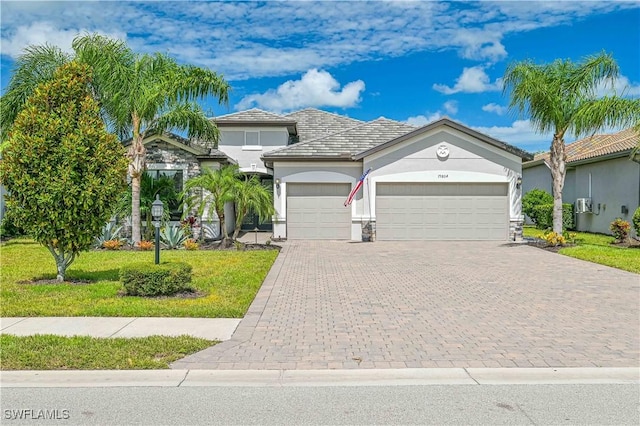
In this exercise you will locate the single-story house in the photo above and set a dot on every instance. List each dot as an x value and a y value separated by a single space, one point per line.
602 180
442 181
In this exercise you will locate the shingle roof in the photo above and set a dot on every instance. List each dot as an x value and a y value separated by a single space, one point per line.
314 123
345 143
597 146
252 116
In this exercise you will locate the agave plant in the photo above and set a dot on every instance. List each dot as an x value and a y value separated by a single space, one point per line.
173 237
110 232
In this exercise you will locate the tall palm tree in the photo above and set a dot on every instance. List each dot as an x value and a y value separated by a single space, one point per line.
250 194
561 97
216 188
139 95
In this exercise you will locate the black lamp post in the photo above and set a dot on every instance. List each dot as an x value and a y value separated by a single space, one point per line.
157 208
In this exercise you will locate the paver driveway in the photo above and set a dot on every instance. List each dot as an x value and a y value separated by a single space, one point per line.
332 304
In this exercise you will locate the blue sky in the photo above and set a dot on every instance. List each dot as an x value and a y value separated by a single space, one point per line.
408 61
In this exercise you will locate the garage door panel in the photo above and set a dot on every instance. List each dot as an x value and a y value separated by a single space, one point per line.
317 211
432 211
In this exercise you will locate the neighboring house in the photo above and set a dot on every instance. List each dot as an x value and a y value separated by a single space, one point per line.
599 169
443 181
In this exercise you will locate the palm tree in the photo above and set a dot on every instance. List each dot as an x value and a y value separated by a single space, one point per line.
250 194
561 97
139 95
216 188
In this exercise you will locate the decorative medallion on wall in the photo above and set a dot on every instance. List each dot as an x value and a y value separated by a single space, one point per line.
442 152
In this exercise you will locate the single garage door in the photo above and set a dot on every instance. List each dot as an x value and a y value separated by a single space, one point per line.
316 211
442 211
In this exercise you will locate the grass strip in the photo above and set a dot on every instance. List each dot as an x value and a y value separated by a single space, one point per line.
49 352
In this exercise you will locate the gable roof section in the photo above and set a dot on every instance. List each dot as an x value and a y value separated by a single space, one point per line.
344 144
314 123
186 145
254 117
592 147
448 123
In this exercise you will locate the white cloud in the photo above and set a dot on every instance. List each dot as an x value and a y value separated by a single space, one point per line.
495 108
41 32
472 80
316 88
451 107
520 133
621 87
246 40
480 45
421 120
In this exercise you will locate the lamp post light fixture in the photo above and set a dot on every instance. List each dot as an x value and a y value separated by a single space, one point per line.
157 209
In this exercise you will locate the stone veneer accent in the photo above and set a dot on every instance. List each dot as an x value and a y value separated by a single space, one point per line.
160 152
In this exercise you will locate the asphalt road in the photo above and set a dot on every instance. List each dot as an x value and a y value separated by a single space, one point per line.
432 404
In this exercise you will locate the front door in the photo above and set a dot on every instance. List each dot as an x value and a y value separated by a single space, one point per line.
251 220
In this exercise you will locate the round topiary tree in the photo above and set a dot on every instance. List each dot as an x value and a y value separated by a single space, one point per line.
63 170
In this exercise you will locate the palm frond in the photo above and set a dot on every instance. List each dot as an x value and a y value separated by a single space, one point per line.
35 66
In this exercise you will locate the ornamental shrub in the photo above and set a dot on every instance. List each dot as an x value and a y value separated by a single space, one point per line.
554 239
149 280
620 229
636 221
544 216
63 170
532 199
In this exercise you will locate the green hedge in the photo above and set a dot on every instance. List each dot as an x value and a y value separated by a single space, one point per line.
544 216
146 279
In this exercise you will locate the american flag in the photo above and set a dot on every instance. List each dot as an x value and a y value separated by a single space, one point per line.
356 188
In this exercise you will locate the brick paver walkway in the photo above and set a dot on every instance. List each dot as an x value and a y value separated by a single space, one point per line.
334 304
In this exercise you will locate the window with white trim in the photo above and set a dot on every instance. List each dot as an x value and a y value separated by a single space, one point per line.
251 138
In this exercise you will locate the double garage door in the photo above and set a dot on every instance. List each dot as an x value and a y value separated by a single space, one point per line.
442 211
404 211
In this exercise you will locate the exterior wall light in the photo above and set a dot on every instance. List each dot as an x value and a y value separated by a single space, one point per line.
518 182
278 183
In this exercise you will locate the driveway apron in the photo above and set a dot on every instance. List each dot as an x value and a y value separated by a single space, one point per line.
340 305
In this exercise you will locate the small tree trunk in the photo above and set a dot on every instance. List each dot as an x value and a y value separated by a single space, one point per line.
558 171
135 209
61 264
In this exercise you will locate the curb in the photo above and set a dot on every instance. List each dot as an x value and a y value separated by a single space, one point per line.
291 378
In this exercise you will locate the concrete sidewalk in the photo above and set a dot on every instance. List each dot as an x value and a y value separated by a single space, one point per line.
206 328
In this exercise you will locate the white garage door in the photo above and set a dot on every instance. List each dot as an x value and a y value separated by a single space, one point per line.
437 211
316 211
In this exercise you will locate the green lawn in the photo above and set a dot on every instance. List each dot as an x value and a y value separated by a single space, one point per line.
47 352
597 248
227 280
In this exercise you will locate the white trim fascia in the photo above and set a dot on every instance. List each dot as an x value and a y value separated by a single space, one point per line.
314 164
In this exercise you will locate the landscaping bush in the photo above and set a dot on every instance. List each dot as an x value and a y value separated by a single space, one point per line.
149 280
620 229
554 239
145 245
532 199
9 228
636 221
544 216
